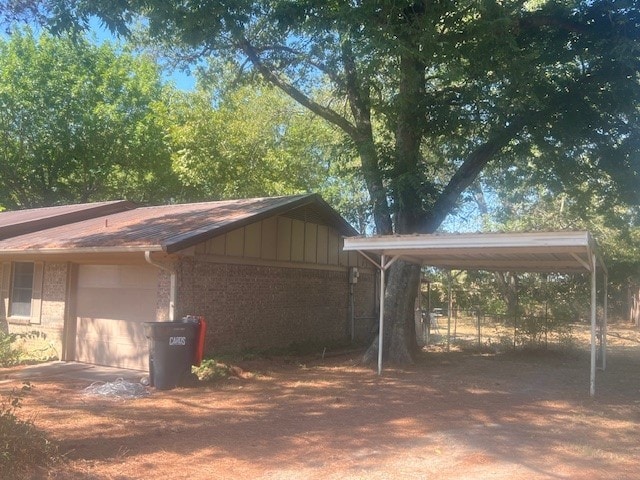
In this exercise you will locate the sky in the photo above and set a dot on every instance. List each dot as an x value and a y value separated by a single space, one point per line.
181 79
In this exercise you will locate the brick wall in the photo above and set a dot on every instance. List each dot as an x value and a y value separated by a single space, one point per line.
54 292
365 305
251 306
164 296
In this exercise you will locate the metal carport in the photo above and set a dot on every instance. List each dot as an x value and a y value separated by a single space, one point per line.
557 252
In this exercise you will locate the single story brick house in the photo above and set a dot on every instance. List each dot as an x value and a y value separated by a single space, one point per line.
264 272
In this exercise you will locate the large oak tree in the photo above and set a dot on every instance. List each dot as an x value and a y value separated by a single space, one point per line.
428 91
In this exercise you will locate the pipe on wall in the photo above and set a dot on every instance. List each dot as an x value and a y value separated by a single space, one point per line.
172 286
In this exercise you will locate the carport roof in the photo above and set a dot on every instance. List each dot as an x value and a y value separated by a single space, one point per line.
561 252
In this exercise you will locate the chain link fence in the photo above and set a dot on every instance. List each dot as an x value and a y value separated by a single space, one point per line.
493 332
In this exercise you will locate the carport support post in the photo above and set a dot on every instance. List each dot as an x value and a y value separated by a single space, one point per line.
605 307
383 268
449 308
592 385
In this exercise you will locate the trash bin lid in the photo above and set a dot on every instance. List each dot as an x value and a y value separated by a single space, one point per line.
169 329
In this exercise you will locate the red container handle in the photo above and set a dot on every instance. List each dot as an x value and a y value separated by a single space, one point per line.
202 333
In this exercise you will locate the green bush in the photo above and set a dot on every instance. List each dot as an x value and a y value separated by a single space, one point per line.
211 371
9 355
13 348
23 447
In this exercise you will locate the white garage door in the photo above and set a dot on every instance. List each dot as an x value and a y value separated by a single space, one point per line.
113 301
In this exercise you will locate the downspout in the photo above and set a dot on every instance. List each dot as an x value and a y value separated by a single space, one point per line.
172 285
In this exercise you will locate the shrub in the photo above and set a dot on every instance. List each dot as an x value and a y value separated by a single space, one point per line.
13 348
210 371
23 447
9 355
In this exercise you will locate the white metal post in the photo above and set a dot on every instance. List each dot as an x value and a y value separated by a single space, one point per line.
450 305
604 322
592 385
381 324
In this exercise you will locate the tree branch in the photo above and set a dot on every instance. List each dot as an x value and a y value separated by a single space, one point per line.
360 103
328 114
467 173
303 58
537 21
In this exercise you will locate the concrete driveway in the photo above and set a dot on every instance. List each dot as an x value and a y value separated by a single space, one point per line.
75 370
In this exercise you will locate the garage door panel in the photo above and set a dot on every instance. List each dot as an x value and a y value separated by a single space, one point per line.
112 304
118 304
112 342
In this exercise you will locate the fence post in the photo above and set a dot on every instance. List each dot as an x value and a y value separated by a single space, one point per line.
546 324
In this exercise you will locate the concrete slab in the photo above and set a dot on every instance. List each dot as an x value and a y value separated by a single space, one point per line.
77 371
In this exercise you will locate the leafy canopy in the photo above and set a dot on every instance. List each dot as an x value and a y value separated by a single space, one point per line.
78 122
431 92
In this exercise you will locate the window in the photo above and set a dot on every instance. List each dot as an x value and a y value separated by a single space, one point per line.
22 289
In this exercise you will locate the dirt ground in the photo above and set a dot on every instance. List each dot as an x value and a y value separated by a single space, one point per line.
453 415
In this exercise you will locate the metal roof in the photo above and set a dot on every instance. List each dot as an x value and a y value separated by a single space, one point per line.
19 222
168 228
527 252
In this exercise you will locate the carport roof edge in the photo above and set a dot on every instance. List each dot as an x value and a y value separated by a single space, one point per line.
562 252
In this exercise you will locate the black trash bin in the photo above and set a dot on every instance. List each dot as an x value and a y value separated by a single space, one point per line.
171 351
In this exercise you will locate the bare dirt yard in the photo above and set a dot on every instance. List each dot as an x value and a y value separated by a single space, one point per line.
454 415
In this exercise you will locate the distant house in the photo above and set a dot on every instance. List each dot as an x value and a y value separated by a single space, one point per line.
264 272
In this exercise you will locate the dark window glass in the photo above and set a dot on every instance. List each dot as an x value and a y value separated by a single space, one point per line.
22 289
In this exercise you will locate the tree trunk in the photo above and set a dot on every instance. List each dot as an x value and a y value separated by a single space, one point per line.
633 294
508 286
400 343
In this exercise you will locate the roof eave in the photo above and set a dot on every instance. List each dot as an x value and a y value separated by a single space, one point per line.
80 250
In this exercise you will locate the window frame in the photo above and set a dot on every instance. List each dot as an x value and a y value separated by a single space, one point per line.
15 266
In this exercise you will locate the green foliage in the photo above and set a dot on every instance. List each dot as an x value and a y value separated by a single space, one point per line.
252 140
9 355
429 93
13 351
533 331
78 123
211 370
23 447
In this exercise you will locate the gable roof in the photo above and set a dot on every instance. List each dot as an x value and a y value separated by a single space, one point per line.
171 228
20 222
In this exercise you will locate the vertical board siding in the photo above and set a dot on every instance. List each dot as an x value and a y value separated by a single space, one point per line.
310 243
284 239
323 244
270 239
333 248
297 240
253 240
235 243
